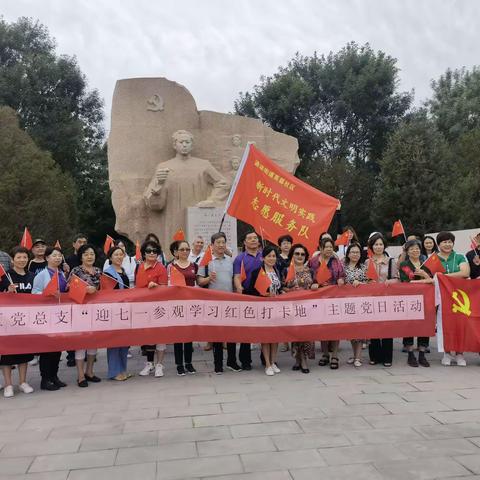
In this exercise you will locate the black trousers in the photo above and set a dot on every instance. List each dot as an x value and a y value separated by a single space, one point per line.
245 354
381 350
218 354
70 354
49 365
421 341
183 350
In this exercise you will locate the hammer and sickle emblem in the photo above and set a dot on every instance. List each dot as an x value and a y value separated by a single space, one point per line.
155 103
461 305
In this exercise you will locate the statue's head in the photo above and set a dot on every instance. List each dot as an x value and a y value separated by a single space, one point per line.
182 142
235 162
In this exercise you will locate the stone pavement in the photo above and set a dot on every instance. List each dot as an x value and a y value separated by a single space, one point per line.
367 423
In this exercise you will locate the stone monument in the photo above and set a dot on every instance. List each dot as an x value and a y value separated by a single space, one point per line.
165 156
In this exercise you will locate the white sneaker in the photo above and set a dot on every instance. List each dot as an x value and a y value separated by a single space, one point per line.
269 371
159 370
25 388
34 361
446 360
460 360
275 368
147 369
8 391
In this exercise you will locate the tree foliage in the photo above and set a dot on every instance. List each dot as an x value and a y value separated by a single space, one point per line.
33 191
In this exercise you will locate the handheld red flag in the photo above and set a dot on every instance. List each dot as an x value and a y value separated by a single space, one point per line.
138 252
263 283
434 264
2 271
107 282
26 239
53 286
323 274
243 273
343 239
369 253
290 273
398 229
108 244
176 278
474 244
207 257
77 289
179 236
57 245
372 273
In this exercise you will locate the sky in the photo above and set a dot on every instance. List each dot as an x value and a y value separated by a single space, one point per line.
217 48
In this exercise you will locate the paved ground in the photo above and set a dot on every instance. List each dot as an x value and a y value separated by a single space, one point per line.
371 423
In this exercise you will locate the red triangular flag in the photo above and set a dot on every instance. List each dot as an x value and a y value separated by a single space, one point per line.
176 277
474 244
57 245
26 239
343 239
434 264
207 257
138 252
398 229
53 286
77 289
323 274
263 282
2 271
108 244
179 235
107 282
369 253
243 273
372 273
291 272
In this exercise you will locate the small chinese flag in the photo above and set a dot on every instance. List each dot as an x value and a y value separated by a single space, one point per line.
398 229
138 253
369 253
108 244
53 286
57 245
290 272
176 278
263 282
343 239
107 282
474 244
243 273
179 235
434 264
372 273
323 274
26 239
77 289
2 271
207 257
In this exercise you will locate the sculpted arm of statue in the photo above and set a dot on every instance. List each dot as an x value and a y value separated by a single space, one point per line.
220 188
155 194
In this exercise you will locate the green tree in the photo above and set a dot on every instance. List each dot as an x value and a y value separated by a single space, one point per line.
416 179
34 192
341 107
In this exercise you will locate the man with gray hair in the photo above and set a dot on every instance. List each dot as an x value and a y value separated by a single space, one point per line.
196 253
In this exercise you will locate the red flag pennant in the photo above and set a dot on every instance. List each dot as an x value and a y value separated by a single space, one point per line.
53 286
291 272
369 253
474 244
263 282
176 278
207 257
343 239
26 239
434 264
138 252
107 282
108 244
77 289
2 271
372 273
323 274
243 273
398 229
179 236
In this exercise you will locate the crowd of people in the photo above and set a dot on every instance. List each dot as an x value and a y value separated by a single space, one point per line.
30 271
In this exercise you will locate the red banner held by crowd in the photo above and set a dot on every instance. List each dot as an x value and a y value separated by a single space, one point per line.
276 203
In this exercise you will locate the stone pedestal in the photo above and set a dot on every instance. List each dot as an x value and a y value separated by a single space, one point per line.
206 222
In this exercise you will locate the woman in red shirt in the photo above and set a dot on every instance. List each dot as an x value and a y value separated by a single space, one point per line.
184 351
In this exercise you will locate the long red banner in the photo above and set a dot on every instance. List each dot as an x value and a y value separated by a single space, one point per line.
33 323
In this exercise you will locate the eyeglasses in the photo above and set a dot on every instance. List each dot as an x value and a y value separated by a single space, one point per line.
151 250
184 249
300 254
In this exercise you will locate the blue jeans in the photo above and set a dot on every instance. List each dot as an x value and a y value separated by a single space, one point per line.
117 360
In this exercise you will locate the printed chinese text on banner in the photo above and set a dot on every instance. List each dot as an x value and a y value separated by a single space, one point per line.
276 203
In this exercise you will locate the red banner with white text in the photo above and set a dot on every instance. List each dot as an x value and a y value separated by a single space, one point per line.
33 323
